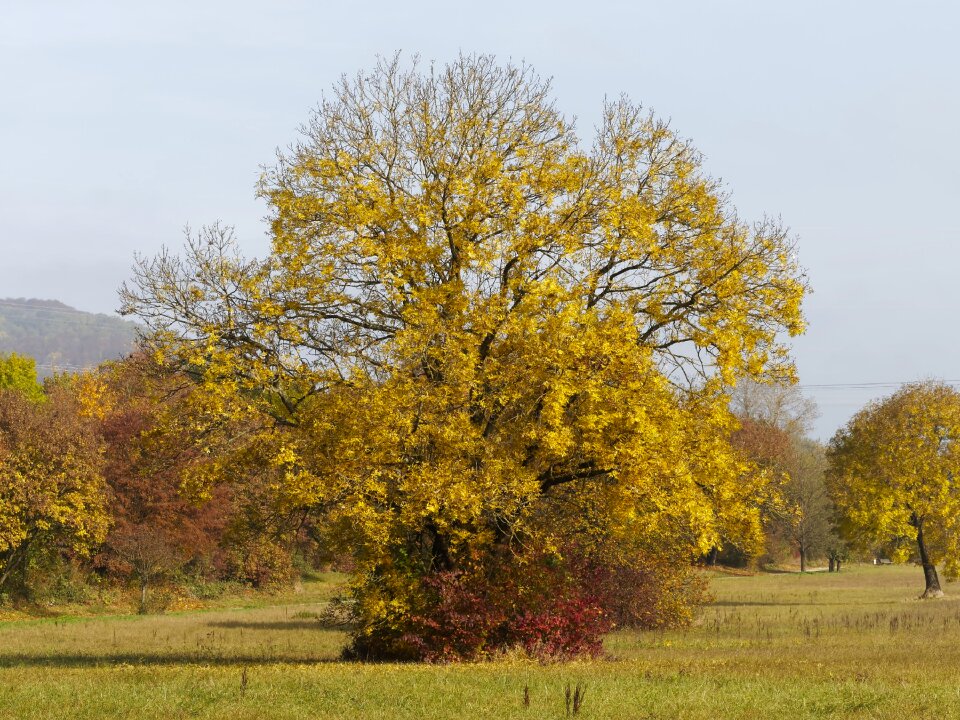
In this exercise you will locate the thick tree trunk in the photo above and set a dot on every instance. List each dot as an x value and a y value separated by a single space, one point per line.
803 560
832 564
838 565
932 580
7 566
439 549
11 562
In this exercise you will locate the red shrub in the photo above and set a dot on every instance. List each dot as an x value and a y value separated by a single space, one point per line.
547 611
548 608
566 628
461 620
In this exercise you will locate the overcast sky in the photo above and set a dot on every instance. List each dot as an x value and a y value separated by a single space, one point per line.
122 122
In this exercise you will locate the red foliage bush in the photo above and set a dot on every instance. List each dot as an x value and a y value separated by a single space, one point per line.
548 609
467 617
460 620
565 628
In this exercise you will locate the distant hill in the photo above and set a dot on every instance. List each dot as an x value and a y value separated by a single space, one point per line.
60 337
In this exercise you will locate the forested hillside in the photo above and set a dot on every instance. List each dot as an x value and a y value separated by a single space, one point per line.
60 337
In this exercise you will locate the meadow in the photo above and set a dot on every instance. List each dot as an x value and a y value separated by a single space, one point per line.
857 644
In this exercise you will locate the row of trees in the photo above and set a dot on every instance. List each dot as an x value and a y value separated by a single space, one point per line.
886 485
140 433
92 473
887 479
117 423
774 431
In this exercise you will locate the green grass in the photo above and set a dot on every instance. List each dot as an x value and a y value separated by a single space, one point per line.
853 645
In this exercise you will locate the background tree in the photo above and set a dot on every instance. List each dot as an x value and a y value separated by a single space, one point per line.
892 476
773 405
807 517
767 447
19 372
164 435
491 347
148 554
156 527
774 421
51 487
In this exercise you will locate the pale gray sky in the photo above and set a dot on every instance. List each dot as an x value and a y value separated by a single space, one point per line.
121 122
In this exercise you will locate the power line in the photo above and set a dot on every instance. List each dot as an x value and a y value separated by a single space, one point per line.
865 385
801 386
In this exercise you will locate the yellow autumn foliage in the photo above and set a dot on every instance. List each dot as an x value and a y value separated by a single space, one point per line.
474 333
893 471
52 492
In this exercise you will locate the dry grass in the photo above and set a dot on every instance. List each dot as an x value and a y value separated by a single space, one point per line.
854 645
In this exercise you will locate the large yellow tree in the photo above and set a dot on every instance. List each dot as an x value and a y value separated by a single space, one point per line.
894 470
486 338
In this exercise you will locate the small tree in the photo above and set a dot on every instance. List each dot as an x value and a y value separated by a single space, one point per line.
806 520
778 405
148 555
773 423
19 372
837 551
893 471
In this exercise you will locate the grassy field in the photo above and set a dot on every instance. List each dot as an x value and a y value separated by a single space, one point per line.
853 645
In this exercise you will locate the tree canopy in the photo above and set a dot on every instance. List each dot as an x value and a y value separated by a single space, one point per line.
51 486
893 470
774 419
482 342
19 372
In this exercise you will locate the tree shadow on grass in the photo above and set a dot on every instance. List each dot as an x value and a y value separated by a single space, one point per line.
760 603
271 625
83 660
